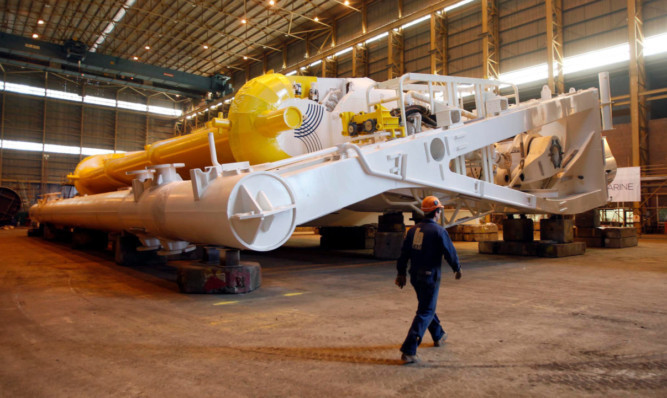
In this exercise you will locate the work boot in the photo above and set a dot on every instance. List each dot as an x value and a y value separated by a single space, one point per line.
409 358
440 341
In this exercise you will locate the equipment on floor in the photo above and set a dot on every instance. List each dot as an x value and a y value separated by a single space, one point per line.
10 204
287 156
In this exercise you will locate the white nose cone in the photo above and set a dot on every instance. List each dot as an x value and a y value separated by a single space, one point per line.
262 211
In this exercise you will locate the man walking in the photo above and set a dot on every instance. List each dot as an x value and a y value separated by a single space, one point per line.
424 246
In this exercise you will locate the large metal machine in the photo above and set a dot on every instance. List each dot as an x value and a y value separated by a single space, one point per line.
296 149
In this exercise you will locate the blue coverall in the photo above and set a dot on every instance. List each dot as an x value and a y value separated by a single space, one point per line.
424 246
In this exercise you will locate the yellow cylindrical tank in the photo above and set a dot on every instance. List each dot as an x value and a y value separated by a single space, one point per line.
258 97
256 117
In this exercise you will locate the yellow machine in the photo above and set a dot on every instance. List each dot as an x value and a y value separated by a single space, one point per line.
364 123
249 134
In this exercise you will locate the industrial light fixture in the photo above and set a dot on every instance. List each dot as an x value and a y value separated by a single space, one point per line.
40 22
347 3
205 47
271 2
35 36
135 58
244 21
245 57
317 19
147 47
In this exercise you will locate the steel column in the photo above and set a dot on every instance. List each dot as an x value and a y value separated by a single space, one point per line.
329 67
45 157
638 112
2 122
490 39
395 54
364 18
83 94
438 53
359 61
554 12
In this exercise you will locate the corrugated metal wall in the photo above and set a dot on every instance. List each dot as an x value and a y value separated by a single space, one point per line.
40 120
588 24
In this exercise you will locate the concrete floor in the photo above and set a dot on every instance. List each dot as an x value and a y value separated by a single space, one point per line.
330 324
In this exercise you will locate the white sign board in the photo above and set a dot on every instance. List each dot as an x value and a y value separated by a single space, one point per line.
626 186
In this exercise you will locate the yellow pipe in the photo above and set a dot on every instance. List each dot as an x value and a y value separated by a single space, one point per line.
272 123
104 173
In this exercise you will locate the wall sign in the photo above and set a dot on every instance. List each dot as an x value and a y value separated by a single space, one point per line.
626 186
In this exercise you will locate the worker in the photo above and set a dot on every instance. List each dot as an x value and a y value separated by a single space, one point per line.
425 245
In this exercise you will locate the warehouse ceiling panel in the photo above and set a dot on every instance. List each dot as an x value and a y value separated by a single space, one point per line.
203 37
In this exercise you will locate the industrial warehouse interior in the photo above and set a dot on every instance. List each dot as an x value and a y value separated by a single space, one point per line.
262 198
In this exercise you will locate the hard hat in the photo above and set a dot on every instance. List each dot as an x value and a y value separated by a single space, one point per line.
430 203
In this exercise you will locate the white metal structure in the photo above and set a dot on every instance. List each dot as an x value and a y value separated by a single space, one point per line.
538 156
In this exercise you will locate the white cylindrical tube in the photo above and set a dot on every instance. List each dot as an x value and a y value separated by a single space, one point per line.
605 100
253 211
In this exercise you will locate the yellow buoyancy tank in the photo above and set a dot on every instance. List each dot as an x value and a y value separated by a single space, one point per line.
256 118
256 121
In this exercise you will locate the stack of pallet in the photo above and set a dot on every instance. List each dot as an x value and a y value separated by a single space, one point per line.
590 232
474 233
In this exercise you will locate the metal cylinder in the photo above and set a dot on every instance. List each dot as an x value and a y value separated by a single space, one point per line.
605 101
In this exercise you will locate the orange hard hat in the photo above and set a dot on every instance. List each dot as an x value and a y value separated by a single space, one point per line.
430 203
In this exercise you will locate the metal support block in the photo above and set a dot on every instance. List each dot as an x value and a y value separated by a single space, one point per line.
205 279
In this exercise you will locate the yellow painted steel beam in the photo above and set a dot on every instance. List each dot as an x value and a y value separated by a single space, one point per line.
439 44
637 84
638 115
359 61
395 54
490 39
554 14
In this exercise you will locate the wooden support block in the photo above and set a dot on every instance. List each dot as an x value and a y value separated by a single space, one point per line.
539 249
588 219
388 245
560 249
591 242
617 233
488 227
557 230
588 232
518 230
617 243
